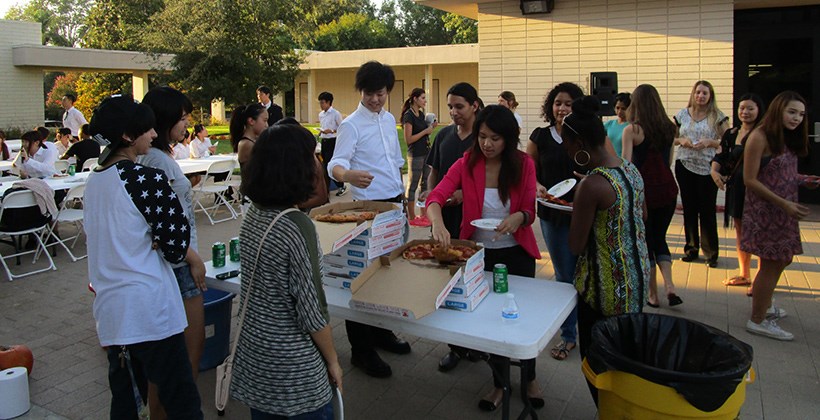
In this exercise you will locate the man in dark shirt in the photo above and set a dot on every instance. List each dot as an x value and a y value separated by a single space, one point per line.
449 146
263 93
83 150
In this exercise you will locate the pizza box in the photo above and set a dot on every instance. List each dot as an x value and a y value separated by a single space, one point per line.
346 261
395 286
351 250
466 289
341 270
470 302
335 281
333 236
365 239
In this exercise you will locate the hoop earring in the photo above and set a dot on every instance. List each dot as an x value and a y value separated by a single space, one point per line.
583 152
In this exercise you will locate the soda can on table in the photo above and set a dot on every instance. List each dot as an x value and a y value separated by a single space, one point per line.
500 284
234 248
72 169
218 251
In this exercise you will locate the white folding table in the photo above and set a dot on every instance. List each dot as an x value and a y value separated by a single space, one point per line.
543 307
192 166
58 183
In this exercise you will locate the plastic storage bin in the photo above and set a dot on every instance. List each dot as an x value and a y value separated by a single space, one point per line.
217 328
649 366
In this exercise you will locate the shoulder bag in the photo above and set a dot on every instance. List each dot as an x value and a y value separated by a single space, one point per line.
224 371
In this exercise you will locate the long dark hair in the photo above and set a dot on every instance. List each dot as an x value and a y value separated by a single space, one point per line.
415 93
647 112
777 136
501 121
239 117
168 105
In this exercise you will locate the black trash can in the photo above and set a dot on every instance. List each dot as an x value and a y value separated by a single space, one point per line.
650 365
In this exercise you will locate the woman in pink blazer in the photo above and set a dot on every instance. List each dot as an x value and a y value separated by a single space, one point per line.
497 182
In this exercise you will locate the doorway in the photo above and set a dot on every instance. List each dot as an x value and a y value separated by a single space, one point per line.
778 49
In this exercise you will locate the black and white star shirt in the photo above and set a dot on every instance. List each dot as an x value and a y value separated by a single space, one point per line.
152 195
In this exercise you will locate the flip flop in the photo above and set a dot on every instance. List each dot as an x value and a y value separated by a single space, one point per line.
561 351
737 281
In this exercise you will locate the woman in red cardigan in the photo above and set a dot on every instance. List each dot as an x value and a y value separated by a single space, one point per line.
497 182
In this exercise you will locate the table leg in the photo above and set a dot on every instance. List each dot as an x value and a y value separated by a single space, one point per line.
504 364
526 364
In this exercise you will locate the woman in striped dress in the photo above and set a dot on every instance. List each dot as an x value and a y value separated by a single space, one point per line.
285 361
607 230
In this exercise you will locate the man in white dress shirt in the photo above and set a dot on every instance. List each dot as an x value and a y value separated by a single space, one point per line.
368 157
329 121
73 119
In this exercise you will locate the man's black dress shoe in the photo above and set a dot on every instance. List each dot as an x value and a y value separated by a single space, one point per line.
712 263
449 361
372 364
689 257
393 344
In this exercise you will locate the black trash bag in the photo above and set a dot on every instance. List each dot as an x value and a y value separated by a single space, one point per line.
703 364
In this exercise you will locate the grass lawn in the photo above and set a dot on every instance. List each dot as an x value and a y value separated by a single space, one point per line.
221 132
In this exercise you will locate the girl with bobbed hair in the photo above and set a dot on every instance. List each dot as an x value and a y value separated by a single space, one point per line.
771 211
607 231
285 362
497 181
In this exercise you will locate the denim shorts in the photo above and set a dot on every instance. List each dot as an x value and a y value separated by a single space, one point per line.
185 280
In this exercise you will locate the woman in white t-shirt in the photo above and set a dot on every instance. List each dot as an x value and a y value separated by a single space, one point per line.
36 158
201 145
138 310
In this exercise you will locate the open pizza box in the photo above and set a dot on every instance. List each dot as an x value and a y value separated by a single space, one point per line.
412 289
335 235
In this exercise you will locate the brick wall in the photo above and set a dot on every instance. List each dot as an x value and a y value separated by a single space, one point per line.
21 90
669 44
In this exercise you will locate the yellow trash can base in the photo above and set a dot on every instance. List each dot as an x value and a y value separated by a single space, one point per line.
624 396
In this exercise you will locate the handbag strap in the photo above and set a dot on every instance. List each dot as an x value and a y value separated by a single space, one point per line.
250 279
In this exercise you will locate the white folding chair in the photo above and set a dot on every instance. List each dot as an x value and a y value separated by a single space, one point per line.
23 199
208 186
61 166
235 182
68 216
89 164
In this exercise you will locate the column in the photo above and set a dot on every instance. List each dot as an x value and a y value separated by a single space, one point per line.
218 111
313 114
432 99
139 80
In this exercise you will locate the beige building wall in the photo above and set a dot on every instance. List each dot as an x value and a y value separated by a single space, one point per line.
669 44
21 90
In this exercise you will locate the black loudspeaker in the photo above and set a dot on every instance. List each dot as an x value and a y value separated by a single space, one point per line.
605 87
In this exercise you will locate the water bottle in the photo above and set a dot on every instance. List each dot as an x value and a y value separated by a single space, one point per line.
510 309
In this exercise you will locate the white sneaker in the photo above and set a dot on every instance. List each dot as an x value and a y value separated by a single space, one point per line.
769 328
775 312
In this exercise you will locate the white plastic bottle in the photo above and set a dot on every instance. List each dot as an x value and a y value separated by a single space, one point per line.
510 309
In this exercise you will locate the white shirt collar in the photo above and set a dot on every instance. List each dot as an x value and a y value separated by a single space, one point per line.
369 112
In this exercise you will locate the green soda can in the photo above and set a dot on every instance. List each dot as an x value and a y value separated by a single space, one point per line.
72 169
218 251
234 245
500 284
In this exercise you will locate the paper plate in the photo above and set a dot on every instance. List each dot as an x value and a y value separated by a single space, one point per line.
552 205
562 188
486 224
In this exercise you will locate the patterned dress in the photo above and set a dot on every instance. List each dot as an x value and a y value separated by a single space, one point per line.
768 231
613 271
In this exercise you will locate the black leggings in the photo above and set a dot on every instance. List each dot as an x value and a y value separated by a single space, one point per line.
519 263
698 194
657 223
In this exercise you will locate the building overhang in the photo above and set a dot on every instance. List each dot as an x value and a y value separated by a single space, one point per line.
405 56
85 59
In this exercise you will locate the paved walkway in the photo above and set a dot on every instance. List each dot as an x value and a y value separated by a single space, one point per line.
51 313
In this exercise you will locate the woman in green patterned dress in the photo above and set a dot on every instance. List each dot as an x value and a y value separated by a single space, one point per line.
607 230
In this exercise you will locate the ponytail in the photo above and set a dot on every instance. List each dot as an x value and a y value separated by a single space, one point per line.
415 93
239 117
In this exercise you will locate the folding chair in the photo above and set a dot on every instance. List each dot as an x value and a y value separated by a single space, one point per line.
68 216
89 164
238 199
61 166
208 186
14 229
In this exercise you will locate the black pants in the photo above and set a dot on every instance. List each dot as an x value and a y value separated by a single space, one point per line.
587 317
164 363
698 194
519 263
657 223
363 337
328 147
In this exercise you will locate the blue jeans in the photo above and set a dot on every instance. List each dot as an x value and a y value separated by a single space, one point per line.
323 413
557 239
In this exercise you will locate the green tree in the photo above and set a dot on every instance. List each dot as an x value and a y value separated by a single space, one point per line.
464 29
227 49
63 21
315 13
354 31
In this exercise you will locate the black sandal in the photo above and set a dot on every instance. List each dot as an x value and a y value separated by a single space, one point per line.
674 300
